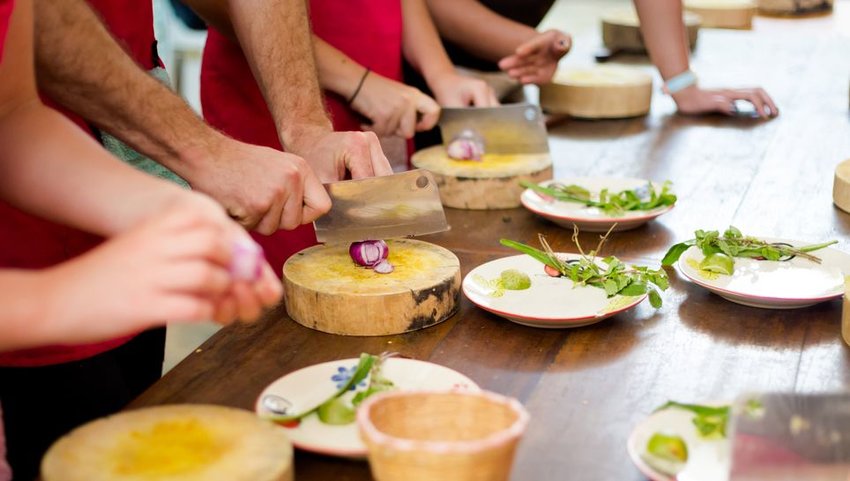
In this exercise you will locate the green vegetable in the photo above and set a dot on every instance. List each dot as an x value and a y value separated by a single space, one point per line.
609 273
718 262
611 203
734 244
364 366
710 421
336 411
668 447
514 280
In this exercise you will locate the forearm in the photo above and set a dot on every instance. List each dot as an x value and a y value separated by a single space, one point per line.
337 72
22 321
477 29
421 44
275 37
82 67
52 169
664 35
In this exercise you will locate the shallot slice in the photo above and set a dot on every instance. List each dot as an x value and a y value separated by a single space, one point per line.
368 253
383 267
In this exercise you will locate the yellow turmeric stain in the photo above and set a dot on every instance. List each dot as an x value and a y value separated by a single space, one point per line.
488 162
168 448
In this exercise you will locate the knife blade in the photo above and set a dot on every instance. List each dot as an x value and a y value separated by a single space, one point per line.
788 436
506 129
398 205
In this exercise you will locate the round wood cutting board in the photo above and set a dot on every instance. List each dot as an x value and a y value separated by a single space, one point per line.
598 93
621 30
736 14
794 7
172 443
492 183
325 290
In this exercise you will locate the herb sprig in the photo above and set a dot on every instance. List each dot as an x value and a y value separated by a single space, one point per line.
734 244
608 273
611 203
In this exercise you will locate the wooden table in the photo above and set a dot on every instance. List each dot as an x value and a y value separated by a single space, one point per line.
587 387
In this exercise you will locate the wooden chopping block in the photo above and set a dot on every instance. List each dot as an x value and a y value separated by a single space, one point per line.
793 7
598 93
841 186
172 443
492 183
325 290
621 30
737 14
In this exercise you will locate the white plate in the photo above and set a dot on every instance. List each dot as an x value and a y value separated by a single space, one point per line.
774 284
708 459
312 385
550 302
589 219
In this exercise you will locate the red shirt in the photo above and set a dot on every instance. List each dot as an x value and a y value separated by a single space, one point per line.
32 243
368 31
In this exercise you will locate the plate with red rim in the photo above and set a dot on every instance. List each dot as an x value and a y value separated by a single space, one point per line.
708 458
550 302
590 219
312 385
791 284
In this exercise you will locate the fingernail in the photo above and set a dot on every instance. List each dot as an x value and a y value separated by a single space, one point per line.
246 264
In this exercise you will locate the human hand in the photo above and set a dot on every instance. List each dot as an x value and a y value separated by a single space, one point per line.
261 188
694 100
175 267
535 61
394 107
455 90
331 154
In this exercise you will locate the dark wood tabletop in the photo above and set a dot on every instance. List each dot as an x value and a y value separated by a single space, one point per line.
587 387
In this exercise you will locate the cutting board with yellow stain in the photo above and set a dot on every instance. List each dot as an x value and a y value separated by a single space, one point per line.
794 7
598 92
172 443
735 14
492 183
325 290
621 30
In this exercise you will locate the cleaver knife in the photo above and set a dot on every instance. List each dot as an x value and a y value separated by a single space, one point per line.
786 436
398 205
506 129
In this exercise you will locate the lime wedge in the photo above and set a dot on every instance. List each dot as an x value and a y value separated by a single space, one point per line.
668 447
719 263
514 280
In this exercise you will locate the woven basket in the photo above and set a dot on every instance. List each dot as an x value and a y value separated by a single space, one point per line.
437 436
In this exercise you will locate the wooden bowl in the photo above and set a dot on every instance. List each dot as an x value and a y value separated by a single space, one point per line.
172 443
437 436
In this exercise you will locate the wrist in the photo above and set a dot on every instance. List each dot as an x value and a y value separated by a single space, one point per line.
679 82
685 96
300 138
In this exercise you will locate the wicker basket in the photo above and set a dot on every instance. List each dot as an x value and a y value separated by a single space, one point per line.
437 436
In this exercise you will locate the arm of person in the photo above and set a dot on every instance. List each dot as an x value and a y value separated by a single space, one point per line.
424 50
666 40
391 107
275 38
97 193
112 92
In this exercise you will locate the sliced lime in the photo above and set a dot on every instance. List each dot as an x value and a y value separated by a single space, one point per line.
514 280
668 447
336 412
719 263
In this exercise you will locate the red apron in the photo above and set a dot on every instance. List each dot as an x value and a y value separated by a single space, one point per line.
28 242
6 7
368 31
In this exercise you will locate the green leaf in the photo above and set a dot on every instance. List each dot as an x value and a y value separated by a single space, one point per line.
675 252
654 298
636 288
